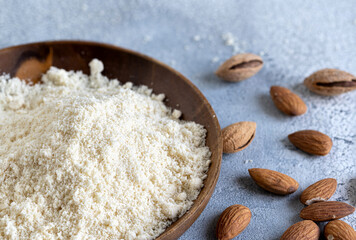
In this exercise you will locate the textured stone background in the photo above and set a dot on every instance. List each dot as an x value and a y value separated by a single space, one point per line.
295 38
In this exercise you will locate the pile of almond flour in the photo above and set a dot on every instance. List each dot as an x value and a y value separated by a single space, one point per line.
82 157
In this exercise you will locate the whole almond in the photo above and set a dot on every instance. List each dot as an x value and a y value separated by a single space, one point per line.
312 142
326 211
330 82
273 181
320 191
287 101
240 67
304 230
339 230
232 222
238 136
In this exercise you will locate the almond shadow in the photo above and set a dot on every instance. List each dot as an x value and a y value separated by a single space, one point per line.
247 183
211 233
267 105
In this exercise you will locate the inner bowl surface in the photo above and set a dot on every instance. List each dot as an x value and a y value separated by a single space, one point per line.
29 61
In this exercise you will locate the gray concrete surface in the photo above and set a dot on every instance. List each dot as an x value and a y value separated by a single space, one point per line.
295 38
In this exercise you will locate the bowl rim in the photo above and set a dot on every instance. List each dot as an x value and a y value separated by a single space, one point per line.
182 224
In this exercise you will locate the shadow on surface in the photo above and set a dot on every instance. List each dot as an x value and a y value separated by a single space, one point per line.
351 191
321 226
296 206
213 81
300 89
212 227
247 183
288 145
269 108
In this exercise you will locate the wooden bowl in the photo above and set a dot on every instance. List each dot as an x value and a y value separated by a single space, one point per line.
29 61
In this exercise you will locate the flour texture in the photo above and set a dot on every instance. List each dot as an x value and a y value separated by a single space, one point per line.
85 157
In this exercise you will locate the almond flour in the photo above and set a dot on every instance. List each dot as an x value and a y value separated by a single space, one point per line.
82 157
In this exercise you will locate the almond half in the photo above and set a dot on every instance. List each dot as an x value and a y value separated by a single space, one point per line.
287 101
312 142
238 136
320 191
326 211
232 222
274 181
339 230
306 229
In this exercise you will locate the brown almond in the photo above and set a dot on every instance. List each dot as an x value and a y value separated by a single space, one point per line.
330 82
326 211
312 142
339 230
274 181
304 230
240 67
320 191
238 136
232 222
32 67
287 101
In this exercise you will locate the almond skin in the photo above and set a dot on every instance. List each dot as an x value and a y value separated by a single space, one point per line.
330 82
339 230
287 101
273 181
319 191
238 136
312 142
240 67
232 222
32 68
306 229
326 211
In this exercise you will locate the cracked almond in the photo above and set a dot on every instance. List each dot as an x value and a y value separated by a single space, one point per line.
240 67
238 136
320 191
330 82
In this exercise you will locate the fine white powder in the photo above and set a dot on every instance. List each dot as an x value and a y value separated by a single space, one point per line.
82 157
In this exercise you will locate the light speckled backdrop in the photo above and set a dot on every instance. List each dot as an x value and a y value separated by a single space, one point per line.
295 38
